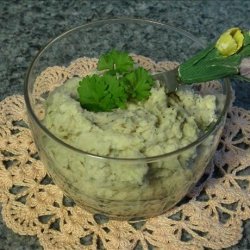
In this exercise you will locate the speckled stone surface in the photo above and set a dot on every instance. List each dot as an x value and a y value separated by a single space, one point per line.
26 26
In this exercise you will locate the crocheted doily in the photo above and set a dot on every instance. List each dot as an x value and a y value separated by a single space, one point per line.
32 205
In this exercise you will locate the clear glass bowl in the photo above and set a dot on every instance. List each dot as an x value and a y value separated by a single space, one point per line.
81 175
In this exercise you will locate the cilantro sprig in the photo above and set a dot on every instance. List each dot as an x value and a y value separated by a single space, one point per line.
118 82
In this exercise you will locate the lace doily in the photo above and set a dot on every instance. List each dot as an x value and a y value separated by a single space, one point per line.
33 205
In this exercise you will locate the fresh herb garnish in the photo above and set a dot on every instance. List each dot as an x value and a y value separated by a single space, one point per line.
140 83
116 61
101 93
117 82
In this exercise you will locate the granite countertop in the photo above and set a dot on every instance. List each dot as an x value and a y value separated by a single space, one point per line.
25 26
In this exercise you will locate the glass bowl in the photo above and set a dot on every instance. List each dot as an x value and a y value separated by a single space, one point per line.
110 185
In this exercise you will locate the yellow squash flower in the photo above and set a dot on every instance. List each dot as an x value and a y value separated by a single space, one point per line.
230 42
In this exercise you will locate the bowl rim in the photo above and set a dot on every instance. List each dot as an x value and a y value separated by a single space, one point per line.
201 138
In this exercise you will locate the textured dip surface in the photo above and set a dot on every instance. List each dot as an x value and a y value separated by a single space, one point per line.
161 124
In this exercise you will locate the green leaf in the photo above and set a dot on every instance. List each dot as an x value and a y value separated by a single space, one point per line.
114 87
214 53
101 93
91 89
198 57
242 78
139 83
115 61
246 38
200 73
245 52
231 61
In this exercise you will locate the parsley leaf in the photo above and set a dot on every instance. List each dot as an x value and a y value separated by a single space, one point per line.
120 83
140 82
91 91
101 93
116 91
115 61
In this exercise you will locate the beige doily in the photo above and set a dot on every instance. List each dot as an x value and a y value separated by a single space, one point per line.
33 205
